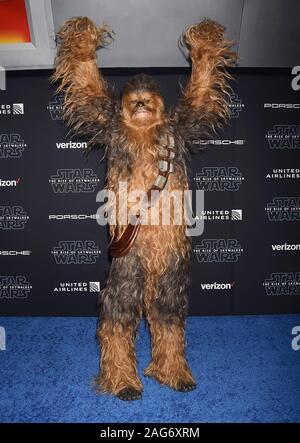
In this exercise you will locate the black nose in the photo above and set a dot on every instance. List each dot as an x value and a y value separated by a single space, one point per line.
140 104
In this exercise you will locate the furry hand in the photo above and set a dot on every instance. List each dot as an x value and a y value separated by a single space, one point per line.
81 36
206 34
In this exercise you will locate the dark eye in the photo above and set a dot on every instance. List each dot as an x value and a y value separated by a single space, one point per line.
133 102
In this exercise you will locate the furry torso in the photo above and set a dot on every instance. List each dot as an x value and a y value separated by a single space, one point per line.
134 159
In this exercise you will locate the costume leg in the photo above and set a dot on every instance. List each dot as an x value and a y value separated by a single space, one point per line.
121 311
166 314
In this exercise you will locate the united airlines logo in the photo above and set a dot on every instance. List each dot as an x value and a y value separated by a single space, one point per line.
284 137
235 106
218 250
94 286
283 209
284 174
67 181
219 179
220 215
55 107
14 109
237 214
76 252
11 145
14 287
13 217
283 283
18 108
75 287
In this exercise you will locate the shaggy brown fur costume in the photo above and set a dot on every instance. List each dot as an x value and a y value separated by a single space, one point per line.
152 275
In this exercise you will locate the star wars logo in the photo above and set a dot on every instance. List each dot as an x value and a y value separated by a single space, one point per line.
283 209
218 250
283 283
219 179
76 252
55 107
12 217
284 137
235 106
14 287
67 181
11 145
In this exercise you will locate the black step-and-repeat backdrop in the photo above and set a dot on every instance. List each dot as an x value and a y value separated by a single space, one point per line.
53 253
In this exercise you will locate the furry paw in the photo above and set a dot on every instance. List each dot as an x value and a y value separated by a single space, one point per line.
206 32
183 381
186 387
76 26
129 394
81 33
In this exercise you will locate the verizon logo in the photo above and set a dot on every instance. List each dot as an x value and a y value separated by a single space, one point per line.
286 247
215 285
71 145
9 182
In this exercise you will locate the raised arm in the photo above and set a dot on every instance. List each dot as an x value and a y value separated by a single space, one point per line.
204 104
88 104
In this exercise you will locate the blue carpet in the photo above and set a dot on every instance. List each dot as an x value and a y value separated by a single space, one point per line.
245 368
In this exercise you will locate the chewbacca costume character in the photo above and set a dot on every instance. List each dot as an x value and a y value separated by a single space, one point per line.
146 148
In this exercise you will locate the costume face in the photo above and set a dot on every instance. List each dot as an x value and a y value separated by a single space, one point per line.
142 108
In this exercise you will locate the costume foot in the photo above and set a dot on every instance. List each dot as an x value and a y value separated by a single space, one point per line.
186 387
182 384
129 394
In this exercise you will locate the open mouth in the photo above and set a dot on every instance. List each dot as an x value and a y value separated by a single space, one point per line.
142 111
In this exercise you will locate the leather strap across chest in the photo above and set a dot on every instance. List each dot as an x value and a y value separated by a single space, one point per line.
120 247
